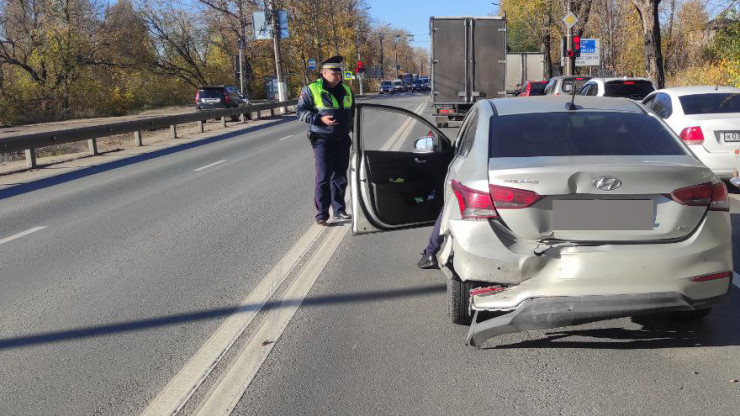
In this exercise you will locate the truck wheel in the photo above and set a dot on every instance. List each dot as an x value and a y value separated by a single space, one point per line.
458 301
445 125
690 315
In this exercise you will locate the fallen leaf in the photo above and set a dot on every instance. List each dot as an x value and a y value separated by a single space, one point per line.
267 342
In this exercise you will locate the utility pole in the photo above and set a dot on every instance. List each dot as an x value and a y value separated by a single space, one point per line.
395 51
276 45
568 47
359 58
382 71
241 66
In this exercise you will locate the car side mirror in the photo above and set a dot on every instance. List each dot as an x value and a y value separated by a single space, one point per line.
424 145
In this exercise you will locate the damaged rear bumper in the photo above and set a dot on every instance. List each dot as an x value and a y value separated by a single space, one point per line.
554 312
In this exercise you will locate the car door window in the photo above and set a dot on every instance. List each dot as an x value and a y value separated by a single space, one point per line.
648 103
584 90
666 107
468 135
593 90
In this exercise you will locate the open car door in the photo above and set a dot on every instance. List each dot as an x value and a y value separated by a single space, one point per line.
397 169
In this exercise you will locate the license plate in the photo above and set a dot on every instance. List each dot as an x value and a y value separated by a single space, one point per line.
603 215
730 136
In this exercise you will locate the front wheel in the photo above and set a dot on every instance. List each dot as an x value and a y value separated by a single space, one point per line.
458 302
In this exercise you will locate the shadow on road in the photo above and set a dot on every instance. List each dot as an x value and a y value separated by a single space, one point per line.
92 170
96 331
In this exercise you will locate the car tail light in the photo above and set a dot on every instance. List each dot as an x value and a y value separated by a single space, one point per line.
512 198
629 83
692 135
579 79
474 204
197 97
713 196
528 90
446 111
713 276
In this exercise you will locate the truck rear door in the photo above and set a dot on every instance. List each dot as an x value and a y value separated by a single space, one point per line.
487 54
448 59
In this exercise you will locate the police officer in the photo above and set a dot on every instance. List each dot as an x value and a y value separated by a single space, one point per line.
327 105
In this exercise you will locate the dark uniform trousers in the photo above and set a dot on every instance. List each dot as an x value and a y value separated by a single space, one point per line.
332 160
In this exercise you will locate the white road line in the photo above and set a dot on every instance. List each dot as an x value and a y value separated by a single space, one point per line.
286 137
736 279
22 234
178 391
209 166
228 391
395 142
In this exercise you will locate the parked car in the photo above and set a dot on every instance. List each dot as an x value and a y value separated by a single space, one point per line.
219 96
551 216
531 88
565 84
634 88
399 86
386 87
707 119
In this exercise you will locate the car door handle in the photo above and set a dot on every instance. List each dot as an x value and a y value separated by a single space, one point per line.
417 160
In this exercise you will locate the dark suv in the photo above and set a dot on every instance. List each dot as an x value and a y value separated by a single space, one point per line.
219 96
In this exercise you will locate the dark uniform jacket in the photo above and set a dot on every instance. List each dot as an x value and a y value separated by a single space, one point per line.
307 112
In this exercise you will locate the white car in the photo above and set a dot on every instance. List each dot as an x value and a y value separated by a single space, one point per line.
628 87
706 119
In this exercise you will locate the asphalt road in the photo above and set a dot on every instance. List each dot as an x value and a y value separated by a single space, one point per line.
140 264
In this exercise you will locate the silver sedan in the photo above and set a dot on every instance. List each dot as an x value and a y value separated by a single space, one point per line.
552 214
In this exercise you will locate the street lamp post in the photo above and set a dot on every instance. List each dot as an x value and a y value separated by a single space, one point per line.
395 51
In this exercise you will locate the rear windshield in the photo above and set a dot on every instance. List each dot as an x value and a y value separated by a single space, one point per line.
211 93
385 83
713 103
580 133
537 88
568 84
636 90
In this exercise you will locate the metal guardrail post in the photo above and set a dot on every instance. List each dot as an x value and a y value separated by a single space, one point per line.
93 146
30 158
259 114
272 112
137 138
201 126
243 117
173 131
223 121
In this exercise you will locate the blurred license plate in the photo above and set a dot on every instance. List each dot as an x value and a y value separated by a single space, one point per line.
603 214
731 136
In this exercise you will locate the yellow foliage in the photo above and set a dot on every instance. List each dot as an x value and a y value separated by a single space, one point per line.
724 72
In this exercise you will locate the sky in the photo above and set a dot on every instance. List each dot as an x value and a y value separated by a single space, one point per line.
413 15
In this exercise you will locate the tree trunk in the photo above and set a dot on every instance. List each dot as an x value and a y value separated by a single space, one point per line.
546 43
648 11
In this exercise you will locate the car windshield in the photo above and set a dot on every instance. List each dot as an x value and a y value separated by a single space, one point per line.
636 90
568 84
580 133
386 83
211 93
712 103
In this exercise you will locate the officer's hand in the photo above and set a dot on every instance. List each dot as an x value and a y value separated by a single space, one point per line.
329 120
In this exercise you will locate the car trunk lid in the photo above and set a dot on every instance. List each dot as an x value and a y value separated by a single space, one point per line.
721 131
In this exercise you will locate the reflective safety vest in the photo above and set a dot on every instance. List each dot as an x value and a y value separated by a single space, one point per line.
322 97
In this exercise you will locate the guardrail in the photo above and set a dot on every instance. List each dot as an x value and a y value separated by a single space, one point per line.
32 141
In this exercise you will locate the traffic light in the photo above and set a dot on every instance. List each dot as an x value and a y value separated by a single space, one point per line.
360 69
576 46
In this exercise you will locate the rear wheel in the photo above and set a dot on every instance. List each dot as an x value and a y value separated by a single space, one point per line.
690 315
458 302
234 118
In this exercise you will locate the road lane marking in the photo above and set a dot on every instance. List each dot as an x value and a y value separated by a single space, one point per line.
22 234
228 391
209 166
286 137
181 387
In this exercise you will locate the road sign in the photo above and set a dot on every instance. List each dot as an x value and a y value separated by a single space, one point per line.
570 20
590 53
347 74
263 28
311 64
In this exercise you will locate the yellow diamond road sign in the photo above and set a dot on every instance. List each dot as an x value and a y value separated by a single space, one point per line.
570 20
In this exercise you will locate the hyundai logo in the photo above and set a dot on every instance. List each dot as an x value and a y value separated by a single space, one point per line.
607 183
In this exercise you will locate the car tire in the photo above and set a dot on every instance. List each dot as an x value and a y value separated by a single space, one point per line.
234 118
690 315
458 302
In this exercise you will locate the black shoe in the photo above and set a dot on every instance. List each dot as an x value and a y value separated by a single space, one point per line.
342 215
321 221
427 262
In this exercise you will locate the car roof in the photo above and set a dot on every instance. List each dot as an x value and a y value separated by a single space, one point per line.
556 104
610 79
699 89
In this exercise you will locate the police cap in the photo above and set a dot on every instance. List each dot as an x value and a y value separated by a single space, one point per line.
335 63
